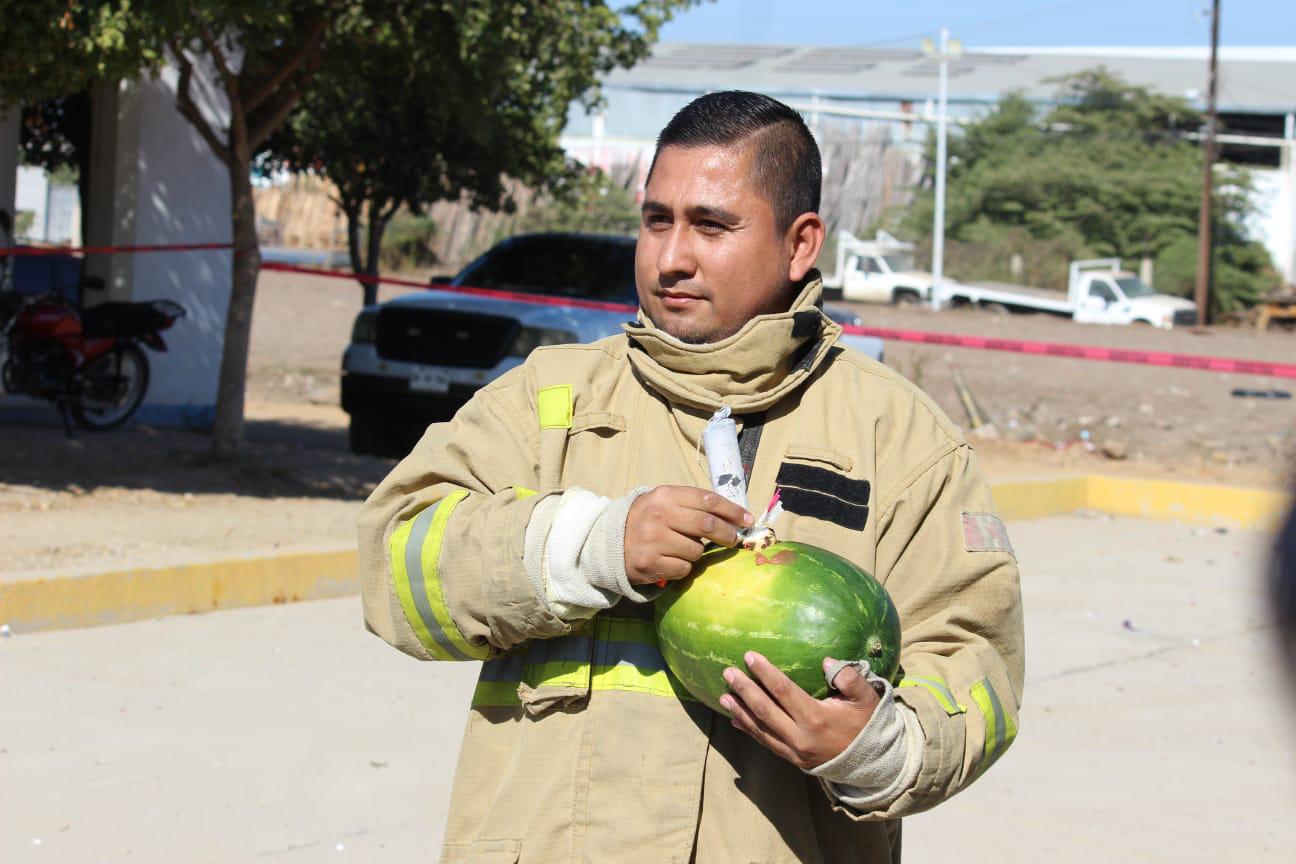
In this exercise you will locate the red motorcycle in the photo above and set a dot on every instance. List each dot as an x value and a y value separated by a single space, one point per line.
89 363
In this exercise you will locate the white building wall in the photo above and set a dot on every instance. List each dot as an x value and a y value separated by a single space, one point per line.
9 140
155 181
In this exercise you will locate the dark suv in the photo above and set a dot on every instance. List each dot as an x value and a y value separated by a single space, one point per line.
416 359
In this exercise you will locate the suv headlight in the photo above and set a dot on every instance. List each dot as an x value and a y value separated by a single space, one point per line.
365 328
531 338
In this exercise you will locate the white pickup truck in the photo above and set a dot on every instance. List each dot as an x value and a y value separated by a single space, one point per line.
877 271
1098 292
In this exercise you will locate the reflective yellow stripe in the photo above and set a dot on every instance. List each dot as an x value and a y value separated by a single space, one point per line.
999 725
554 405
495 694
415 556
938 688
522 492
400 579
626 657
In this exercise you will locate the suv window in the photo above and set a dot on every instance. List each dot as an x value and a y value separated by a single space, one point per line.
588 268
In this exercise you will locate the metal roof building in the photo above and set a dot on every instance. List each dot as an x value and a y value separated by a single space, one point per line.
1256 97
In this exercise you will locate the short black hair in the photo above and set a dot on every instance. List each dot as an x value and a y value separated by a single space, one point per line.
785 156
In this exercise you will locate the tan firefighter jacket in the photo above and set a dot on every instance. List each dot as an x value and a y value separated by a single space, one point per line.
580 744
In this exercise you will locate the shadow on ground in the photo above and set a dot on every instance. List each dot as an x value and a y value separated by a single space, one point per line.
283 457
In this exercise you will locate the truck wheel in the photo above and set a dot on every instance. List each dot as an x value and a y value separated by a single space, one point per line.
995 308
906 298
362 436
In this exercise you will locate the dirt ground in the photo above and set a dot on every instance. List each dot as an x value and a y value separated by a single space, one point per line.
148 497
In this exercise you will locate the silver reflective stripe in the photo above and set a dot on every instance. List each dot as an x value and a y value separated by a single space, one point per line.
645 658
506 668
1001 724
418 588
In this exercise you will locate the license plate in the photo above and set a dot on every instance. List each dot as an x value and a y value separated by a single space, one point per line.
427 379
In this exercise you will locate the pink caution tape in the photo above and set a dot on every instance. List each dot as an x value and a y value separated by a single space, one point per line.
1084 352
1199 362
39 251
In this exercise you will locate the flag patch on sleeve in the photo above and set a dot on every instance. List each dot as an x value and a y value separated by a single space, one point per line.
985 532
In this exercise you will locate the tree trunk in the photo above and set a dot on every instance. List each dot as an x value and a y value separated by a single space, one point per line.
377 223
227 431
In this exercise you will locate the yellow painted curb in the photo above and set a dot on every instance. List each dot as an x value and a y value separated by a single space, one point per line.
1195 503
131 595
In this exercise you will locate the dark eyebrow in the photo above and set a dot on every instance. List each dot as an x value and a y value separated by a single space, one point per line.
650 206
717 214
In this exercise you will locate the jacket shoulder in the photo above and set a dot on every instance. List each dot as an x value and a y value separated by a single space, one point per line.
586 367
893 393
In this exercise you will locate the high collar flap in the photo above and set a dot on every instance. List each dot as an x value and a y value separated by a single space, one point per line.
749 371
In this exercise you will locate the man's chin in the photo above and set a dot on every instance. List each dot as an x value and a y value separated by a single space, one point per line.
692 332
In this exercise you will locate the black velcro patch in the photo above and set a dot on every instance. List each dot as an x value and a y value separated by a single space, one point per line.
807 322
825 507
823 480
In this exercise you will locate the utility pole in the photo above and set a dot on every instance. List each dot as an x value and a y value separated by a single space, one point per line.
946 50
1204 222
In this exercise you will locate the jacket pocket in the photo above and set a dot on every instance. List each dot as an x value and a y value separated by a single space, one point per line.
483 852
557 672
809 487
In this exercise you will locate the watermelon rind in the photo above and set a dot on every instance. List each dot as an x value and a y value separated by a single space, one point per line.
791 602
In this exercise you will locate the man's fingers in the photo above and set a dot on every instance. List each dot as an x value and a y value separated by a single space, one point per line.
704 525
721 506
852 686
675 544
760 705
746 722
794 701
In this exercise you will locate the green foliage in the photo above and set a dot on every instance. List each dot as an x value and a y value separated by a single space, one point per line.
589 202
407 243
453 99
1104 173
1244 266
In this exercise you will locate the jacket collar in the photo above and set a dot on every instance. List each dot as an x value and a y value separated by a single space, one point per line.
750 371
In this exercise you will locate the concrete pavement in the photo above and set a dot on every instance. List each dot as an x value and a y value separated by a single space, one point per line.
1156 725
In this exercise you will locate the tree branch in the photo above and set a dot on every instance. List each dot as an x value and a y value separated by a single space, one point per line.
228 78
189 110
263 90
258 134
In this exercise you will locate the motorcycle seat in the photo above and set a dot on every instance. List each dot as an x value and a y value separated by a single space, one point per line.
123 320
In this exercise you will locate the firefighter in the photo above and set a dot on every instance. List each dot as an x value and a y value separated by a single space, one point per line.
530 533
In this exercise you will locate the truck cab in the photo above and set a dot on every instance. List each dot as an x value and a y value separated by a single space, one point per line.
878 271
1105 294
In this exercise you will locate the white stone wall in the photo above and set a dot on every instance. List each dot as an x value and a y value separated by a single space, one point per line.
155 181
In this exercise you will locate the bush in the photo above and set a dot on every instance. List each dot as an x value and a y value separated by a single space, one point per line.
407 243
1243 273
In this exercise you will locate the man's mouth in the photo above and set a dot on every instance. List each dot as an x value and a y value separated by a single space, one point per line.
678 299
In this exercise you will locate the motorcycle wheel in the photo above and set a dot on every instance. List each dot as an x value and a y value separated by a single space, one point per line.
112 392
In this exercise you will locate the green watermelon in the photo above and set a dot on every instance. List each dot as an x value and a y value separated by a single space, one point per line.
792 602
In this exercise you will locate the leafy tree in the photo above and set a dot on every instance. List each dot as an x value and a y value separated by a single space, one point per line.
265 55
1104 172
591 201
55 135
452 100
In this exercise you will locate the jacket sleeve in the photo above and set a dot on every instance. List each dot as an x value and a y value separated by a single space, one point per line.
442 537
945 559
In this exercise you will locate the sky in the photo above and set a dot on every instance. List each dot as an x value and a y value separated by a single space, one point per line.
985 22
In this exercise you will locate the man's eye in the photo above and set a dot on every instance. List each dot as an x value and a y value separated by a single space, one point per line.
710 226
657 219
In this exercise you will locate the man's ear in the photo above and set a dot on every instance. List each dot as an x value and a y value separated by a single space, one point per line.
804 238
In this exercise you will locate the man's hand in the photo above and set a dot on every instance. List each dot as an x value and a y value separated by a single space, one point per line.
667 527
794 725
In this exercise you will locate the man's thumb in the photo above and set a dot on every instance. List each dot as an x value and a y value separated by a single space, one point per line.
849 679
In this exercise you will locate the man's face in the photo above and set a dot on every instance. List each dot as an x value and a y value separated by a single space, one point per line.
709 256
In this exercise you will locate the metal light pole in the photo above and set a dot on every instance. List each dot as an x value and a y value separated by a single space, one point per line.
946 50
1204 258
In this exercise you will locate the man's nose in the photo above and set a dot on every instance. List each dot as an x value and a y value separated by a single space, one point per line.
675 257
